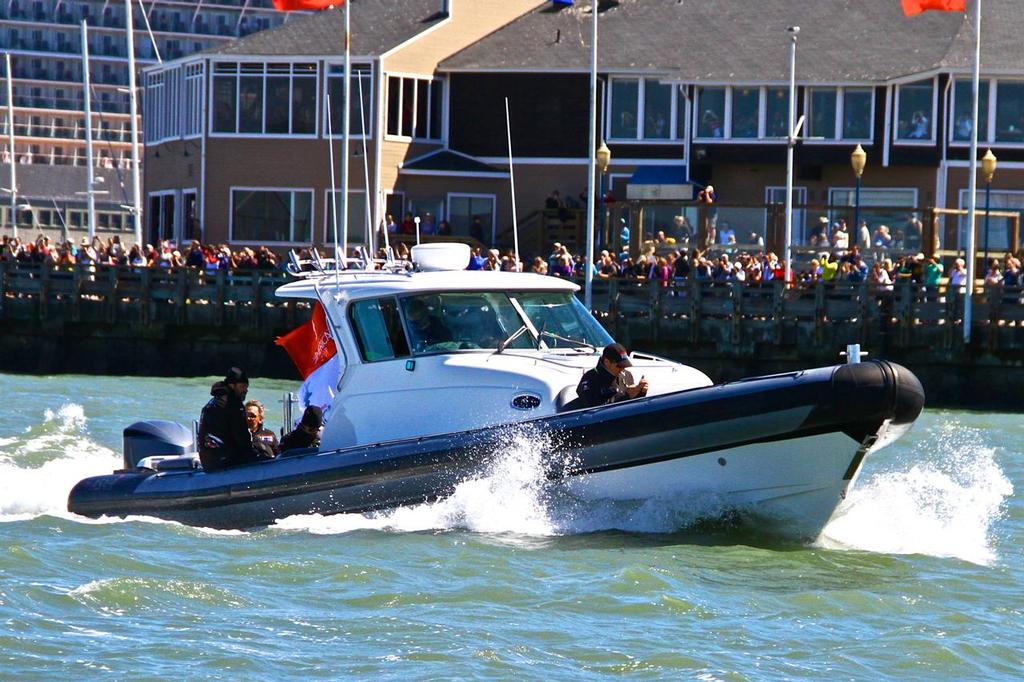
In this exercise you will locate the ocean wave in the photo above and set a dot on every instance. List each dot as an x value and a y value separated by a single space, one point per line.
39 467
944 505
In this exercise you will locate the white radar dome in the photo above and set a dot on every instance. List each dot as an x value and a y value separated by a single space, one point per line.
443 256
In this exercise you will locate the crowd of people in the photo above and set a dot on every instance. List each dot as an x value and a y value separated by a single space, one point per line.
662 261
113 252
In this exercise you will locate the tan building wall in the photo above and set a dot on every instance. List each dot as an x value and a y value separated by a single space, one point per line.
470 21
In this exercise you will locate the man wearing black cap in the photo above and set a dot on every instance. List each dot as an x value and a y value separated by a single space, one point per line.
307 434
224 436
609 382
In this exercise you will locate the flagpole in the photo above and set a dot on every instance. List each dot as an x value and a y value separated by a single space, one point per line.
133 110
346 127
334 189
787 254
588 276
90 162
972 210
366 172
512 182
10 144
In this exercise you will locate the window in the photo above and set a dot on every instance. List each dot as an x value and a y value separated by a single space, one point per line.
892 207
261 215
162 105
776 112
711 105
840 113
1009 111
746 107
999 229
415 108
357 217
644 109
463 208
193 115
821 115
777 196
857 114
378 329
914 107
264 99
625 110
963 110
362 99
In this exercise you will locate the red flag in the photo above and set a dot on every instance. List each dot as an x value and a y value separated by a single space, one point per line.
290 5
310 345
914 7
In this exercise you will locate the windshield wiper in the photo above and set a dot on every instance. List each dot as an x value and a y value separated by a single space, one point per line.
566 339
511 338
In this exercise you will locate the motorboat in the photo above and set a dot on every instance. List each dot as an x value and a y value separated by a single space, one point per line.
440 368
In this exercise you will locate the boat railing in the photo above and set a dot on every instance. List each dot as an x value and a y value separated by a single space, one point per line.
317 266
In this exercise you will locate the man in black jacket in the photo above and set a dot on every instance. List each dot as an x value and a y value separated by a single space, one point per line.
224 436
609 382
307 433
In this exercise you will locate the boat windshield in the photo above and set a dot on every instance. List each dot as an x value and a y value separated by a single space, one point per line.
469 320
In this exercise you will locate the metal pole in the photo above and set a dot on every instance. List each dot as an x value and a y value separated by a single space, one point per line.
988 197
10 147
512 184
133 111
89 159
346 124
603 211
855 232
972 210
588 276
790 144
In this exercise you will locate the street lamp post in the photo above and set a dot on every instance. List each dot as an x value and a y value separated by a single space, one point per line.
604 159
858 159
791 134
988 171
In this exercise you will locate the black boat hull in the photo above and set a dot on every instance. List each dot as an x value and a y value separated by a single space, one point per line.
788 444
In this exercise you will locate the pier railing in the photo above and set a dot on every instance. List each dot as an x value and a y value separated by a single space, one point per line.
179 297
732 315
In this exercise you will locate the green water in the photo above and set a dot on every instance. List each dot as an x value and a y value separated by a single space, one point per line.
919 578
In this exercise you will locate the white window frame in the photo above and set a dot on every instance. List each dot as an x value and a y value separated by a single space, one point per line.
993 99
840 96
443 124
315 76
963 197
370 116
799 199
924 142
292 190
177 212
641 137
329 226
192 101
471 195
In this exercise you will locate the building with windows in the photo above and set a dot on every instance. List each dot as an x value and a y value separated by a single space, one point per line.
694 89
246 131
44 41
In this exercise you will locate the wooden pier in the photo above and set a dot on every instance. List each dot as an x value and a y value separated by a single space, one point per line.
186 322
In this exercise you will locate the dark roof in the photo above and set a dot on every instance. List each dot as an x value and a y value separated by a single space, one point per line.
452 163
39 184
377 26
856 41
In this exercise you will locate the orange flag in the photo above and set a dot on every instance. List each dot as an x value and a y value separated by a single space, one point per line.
310 345
915 7
290 5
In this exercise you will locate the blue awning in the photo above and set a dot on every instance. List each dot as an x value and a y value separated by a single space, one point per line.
659 175
660 183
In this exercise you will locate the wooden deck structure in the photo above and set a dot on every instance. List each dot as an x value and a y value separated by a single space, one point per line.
187 322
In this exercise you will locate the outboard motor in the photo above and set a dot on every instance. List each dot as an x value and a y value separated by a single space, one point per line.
156 437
